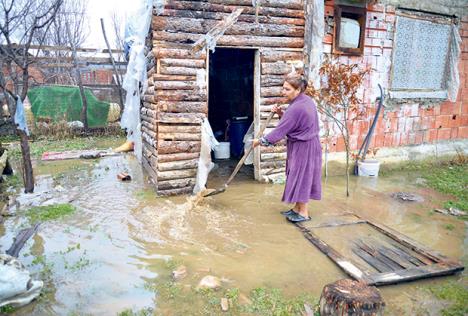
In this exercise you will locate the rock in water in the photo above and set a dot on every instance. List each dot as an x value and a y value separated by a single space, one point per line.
209 282
351 298
224 304
179 273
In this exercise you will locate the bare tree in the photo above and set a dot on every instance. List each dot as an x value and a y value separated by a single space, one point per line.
116 72
72 16
20 21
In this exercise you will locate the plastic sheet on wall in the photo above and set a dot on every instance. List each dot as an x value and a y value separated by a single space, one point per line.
208 143
453 82
134 81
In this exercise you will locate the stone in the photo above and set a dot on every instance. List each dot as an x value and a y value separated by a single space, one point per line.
224 304
410 197
179 273
209 282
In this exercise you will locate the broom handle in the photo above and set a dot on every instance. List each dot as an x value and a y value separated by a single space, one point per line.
241 162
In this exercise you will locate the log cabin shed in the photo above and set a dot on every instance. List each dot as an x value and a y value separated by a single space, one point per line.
256 45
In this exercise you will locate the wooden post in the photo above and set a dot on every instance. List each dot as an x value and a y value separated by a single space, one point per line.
348 297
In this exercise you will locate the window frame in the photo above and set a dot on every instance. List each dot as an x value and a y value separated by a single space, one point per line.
418 93
338 13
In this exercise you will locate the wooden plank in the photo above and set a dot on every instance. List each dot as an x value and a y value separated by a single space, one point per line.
372 261
217 31
351 268
416 273
414 256
387 252
408 242
374 253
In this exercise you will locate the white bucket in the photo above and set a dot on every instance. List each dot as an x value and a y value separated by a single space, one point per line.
222 151
368 168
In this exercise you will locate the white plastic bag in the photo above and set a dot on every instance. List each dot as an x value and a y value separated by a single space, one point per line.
208 143
248 139
16 286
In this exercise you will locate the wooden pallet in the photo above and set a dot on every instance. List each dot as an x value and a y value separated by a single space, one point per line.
394 258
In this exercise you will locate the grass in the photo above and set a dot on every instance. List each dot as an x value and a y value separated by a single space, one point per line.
7 309
272 302
141 312
456 294
447 175
49 212
76 143
449 227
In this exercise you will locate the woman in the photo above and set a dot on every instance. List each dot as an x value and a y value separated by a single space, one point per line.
304 161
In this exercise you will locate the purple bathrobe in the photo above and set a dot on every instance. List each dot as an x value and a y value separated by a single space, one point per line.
304 161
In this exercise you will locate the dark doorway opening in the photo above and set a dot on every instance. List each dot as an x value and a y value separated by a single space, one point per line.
231 96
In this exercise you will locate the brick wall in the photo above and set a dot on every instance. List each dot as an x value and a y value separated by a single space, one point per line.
100 76
410 123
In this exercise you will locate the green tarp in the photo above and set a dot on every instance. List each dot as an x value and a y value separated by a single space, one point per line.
64 103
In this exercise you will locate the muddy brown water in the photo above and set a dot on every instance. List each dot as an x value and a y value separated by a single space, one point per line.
122 236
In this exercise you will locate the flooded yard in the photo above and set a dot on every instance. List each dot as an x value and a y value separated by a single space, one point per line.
115 252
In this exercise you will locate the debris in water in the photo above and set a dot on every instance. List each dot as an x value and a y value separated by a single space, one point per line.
123 176
451 211
224 304
179 273
209 282
410 197
16 286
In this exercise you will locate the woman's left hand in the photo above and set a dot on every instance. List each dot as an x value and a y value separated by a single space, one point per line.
255 142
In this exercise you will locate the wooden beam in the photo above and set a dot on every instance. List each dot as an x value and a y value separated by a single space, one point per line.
217 31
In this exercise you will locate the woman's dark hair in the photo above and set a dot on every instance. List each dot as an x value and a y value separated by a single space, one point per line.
297 81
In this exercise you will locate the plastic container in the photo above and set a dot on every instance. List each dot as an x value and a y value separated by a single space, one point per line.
237 130
222 151
368 168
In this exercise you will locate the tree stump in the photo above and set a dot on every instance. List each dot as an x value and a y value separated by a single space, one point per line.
351 298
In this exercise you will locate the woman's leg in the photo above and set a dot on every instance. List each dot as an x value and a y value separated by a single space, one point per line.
301 208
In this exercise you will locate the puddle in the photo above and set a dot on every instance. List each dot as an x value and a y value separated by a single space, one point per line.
100 259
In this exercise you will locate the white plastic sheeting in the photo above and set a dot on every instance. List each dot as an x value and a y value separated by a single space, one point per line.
208 143
453 82
135 79
20 117
316 50
248 139
16 286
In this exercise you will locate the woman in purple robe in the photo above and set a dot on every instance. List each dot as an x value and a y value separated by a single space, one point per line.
304 153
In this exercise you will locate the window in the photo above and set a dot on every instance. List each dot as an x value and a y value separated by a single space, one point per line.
350 24
420 58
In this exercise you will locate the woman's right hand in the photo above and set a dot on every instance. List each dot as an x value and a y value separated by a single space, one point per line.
277 109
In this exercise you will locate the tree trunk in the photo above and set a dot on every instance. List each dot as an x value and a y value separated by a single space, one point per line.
117 75
84 102
28 176
351 298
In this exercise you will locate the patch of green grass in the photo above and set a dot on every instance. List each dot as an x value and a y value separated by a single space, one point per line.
49 212
456 294
272 302
7 309
142 312
449 227
448 175
145 194
37 148
12 181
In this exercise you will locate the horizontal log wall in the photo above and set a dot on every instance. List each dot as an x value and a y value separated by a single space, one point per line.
176 103
275 64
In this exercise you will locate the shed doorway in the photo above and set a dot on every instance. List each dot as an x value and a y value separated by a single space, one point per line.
231 99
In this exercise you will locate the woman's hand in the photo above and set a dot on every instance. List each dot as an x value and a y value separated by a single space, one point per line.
255 142
277 109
